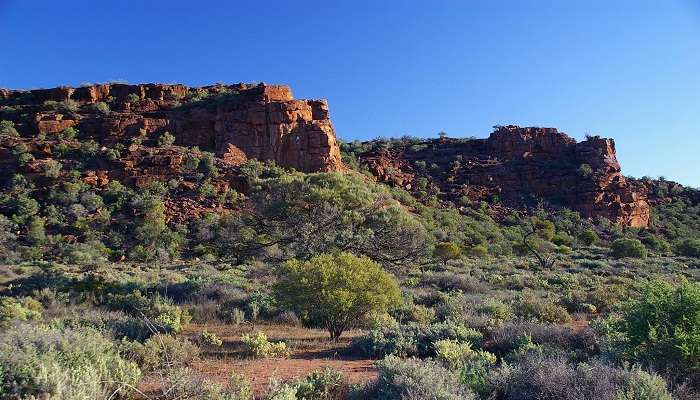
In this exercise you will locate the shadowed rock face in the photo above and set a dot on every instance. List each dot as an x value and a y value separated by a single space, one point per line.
259 121
518 164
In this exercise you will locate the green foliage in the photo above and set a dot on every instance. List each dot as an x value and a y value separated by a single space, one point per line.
625 247
689 248
161 351
537 376
12 310
100 107
336 291
166 139
259 347
413 339
585 170
446 251
211 339
66 106
415 379
7 130
61 364
52 169
662 328
532 307
68 133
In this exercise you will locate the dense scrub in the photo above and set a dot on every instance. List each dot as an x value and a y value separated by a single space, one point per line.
454 301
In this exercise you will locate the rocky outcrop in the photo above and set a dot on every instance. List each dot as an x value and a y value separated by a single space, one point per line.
261 121
516 166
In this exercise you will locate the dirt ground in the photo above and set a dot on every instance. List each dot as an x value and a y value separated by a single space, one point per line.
311 350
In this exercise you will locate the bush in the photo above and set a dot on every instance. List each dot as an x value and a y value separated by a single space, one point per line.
182 383
446 251
61 364
413 339
166 139
325 384
259 347
540 377
625 247
100 107
159 310
210 339
415 379
161 352
689 247
12 310
531 307
662 328
7 130
336 291
68 133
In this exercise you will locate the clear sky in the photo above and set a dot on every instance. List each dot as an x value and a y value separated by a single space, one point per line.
627 69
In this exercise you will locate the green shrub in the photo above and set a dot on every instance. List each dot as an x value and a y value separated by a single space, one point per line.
166 139
655 243
159 310
406 379
562 239
446 251
689 247
100 107
662 328
625 247
259 347
412 339
61 364
52 169
12 310
7 130
68 133
161 351
537 376
325 384
498 310
182 383
531 307
67 106
336 291
210 339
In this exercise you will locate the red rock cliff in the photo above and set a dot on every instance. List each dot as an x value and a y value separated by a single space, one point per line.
261 121
518 166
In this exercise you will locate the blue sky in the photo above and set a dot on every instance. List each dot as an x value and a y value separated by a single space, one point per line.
627 69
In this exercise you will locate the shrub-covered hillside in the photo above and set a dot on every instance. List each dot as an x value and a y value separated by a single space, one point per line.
332 285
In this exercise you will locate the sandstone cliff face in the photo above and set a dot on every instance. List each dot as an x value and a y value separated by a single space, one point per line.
260 121
518 165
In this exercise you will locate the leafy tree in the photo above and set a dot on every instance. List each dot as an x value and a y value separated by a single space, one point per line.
336 291
446 251
299 215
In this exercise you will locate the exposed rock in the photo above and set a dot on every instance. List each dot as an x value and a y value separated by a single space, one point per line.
262 121
515 165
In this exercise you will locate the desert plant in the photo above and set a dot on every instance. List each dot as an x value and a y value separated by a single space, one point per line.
166 139
336 291
625 247
259 346
446 251
40 362
588 237
7 130
662 327
407 379
689 248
